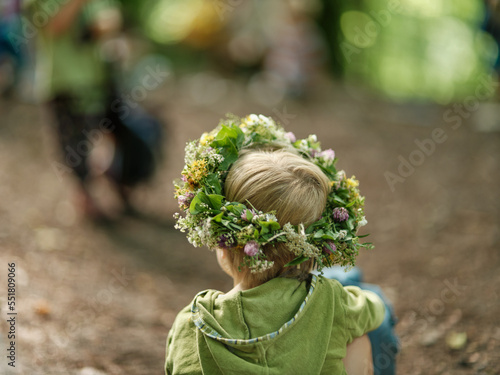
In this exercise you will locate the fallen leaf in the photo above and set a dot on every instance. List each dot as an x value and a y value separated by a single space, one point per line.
42 307
456 340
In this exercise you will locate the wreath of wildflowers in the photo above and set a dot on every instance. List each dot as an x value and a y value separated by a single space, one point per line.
209 219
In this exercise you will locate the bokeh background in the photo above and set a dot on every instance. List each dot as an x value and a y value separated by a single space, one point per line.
405 92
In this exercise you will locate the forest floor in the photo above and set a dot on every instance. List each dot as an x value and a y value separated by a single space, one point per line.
95 299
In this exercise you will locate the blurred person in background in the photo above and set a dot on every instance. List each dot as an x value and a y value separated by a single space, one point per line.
296 55
280 44
492 25
72 78
11 54
489 111
78 70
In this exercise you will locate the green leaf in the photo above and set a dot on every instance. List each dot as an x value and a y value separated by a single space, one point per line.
196 204
319 234
298 260
274 225
339 200
235 226
269 226
218 217
330 171
329 233
328 237
236 208
226 135
215 201
249 215
213 184
230 156
263 230
318 224
229 140
350 224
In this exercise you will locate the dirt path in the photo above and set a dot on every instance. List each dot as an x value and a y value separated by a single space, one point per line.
100 299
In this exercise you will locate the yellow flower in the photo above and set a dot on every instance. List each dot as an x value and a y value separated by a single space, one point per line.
196 171
206 139
352 182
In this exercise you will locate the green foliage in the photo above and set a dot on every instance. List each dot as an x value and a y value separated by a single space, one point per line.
228 141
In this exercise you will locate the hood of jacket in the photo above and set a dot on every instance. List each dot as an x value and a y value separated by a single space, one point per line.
275 328
281 327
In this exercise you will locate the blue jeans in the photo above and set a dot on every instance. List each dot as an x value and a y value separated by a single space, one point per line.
385 343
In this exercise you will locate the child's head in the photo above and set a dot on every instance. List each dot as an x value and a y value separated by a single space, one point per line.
280 181
266 199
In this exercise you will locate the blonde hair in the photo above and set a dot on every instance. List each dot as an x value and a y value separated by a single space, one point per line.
281 181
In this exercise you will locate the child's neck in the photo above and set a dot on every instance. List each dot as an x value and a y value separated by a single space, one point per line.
239 285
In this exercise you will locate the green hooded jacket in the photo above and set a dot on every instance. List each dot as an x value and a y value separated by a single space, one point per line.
281 327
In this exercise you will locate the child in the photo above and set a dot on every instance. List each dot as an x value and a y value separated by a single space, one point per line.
272 208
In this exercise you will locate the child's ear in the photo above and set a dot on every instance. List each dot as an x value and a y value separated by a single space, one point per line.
220 253
222 259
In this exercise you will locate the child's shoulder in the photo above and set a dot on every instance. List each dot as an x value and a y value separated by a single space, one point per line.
204 297
331 284
350 296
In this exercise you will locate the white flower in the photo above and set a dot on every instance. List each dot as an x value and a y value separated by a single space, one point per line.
362 222
297 243
265 121
271 217
252 120
342 234
303 144
261 265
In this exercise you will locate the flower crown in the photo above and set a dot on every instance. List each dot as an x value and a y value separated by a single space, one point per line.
209 219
